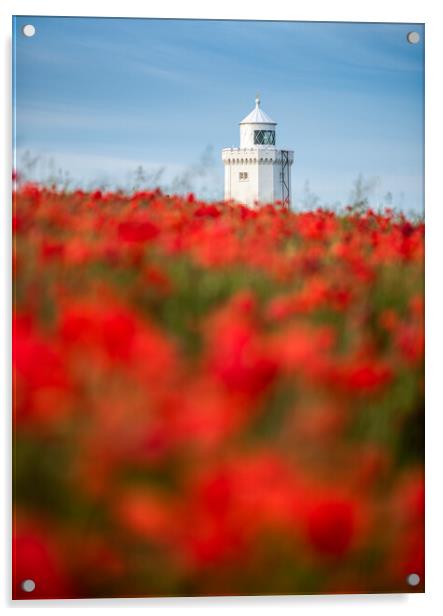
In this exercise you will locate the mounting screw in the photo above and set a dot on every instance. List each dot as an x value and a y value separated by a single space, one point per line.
413 579
28 585
413 38
28 30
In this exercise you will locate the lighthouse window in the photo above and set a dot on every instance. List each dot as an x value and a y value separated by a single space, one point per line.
264 137
243 175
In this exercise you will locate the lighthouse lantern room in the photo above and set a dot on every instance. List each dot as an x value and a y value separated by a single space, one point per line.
258 172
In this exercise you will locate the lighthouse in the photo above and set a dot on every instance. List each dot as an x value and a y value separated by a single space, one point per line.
258 172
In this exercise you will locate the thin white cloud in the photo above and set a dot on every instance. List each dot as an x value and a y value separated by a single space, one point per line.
53 116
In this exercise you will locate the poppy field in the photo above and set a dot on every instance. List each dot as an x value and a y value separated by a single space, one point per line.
214 400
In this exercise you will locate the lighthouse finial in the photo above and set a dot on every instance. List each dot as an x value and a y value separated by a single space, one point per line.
257 99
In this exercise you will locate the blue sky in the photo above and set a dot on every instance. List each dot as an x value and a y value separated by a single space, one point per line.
98 97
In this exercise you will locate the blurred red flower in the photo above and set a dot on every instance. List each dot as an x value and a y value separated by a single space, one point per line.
331 525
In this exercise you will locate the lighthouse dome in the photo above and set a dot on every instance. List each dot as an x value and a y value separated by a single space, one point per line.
257 115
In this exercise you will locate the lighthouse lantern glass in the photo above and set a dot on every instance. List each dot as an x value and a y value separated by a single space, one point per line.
264 137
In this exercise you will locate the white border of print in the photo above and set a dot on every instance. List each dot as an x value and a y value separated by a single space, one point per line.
425 11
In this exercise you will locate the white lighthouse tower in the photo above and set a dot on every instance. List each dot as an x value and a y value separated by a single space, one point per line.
258 172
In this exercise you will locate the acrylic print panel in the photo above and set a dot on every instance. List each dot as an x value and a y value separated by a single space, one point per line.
218 308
